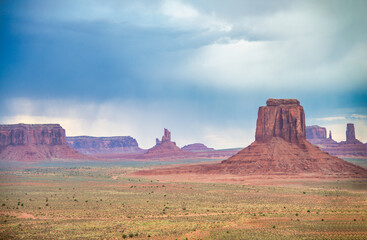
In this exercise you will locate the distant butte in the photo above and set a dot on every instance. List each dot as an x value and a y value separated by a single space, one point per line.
104 145
164 148
196 147
351 148
280 148
35 142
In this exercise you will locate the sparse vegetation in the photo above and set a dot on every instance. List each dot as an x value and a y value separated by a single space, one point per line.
100 204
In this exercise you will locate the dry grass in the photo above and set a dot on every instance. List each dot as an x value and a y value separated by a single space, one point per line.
106 203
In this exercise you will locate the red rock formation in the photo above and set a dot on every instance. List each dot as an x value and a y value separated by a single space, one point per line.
196 147
317 136
165 148
330 136
280 148
351 148
167 136
351 135
315 132
99 145
33 142
282 118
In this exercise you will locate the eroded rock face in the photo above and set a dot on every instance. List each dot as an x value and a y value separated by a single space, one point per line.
167 136
350 133
280 148
315 132
33 142
278 102
164 148
283 118
351 148
330 135
37 134
196 147
99 145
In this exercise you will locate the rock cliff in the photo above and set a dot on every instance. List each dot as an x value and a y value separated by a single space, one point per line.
33 142
351 148
164 148
315 132
99 145
351 135
280 148
283 118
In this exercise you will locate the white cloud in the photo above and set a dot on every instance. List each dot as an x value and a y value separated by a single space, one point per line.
187 17
329 118
358 116
177 9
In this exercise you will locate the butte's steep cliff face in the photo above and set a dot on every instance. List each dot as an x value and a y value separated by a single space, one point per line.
100 145
315 132
280 148
283 118
317 136
351 135
351 148
33 142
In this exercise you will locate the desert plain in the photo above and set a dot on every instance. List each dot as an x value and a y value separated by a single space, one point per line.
113 202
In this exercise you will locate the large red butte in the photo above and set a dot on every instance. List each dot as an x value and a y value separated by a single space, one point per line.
280 148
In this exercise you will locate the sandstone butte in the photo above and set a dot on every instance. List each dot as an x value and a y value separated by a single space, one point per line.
280 148
35 142
196 147
164 148
351 148
102 145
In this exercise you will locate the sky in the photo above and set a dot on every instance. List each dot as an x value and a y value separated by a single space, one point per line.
199 68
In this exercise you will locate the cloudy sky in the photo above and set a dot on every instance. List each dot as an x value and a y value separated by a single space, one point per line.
198 68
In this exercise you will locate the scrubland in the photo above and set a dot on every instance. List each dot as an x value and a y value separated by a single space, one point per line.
109 203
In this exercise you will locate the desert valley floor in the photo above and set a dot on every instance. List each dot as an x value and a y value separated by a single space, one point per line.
114 203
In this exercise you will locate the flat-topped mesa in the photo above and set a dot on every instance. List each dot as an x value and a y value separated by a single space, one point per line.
315 132
283 118
35 142
36 134
100 145
278 102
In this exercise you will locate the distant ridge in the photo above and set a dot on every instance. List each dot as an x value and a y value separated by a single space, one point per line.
99 145
35 142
